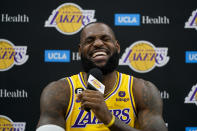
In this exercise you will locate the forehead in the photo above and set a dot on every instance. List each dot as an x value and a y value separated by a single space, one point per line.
96 29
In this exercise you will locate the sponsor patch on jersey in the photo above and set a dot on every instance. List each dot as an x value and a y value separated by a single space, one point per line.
121 97
121 93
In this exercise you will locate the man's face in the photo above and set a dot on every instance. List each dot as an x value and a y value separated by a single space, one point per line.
98 47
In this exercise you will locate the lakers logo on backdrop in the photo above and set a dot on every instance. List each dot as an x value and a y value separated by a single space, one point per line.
11 55
6 124
69 18
143 56
192 96
192 21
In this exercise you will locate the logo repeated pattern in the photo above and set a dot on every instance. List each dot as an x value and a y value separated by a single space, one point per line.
6 124
69 18
11 55
192 22
192 96
143 56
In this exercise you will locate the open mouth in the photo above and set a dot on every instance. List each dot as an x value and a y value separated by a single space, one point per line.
99 53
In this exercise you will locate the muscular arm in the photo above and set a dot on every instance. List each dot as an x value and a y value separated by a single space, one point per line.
149 109
148 102
53 103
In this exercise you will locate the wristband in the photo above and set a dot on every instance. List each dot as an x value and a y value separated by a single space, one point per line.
50 127
111 122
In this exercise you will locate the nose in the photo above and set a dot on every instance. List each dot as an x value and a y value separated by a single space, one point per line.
98 43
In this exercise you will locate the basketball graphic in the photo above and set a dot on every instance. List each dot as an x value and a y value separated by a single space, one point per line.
143 56
6 48
69 18
6 124
140 57
11 55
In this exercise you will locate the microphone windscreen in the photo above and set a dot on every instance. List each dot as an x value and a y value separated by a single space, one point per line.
97 73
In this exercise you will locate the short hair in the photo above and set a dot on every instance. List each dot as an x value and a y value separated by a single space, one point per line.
97 22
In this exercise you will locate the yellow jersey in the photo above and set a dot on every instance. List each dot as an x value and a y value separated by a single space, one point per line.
120 102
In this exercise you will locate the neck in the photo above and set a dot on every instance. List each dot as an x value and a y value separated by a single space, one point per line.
109 80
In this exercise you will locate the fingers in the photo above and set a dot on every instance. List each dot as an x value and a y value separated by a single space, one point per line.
91 99
87 94
94 100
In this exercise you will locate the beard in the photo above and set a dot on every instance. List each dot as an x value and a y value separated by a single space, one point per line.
109 67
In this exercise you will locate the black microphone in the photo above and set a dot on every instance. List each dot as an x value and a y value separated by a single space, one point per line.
95 75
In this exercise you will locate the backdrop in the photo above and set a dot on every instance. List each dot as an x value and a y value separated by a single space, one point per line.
39 44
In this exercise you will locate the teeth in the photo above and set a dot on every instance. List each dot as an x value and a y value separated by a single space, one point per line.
99 53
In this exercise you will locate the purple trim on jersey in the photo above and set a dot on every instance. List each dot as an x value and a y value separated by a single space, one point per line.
119 81
71 106
130 88
80 78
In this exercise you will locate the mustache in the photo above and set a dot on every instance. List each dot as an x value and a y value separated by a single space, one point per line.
109 67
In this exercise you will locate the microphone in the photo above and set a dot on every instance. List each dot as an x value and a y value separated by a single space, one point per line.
95 75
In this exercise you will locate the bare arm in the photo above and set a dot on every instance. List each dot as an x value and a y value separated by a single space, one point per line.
149 109
148 102
53 103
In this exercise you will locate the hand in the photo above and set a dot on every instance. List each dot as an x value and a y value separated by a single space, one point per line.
95 100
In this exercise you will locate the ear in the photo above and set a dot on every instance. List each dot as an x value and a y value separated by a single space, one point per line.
117 46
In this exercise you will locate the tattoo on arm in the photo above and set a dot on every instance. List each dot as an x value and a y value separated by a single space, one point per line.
149 111
54 104
151 97
150 114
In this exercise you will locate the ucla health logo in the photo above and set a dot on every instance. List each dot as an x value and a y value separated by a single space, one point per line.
137 19
191 56
11 55
57 55
192 22
6 124
127 19
143 56
192 96
191 129
70 18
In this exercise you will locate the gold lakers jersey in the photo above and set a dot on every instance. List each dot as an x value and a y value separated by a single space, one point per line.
120 102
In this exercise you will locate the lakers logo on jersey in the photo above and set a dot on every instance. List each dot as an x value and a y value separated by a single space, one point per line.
87 118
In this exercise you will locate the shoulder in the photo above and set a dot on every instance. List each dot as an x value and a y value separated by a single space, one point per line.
143 84
56 87
55 93
146 94
54 102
